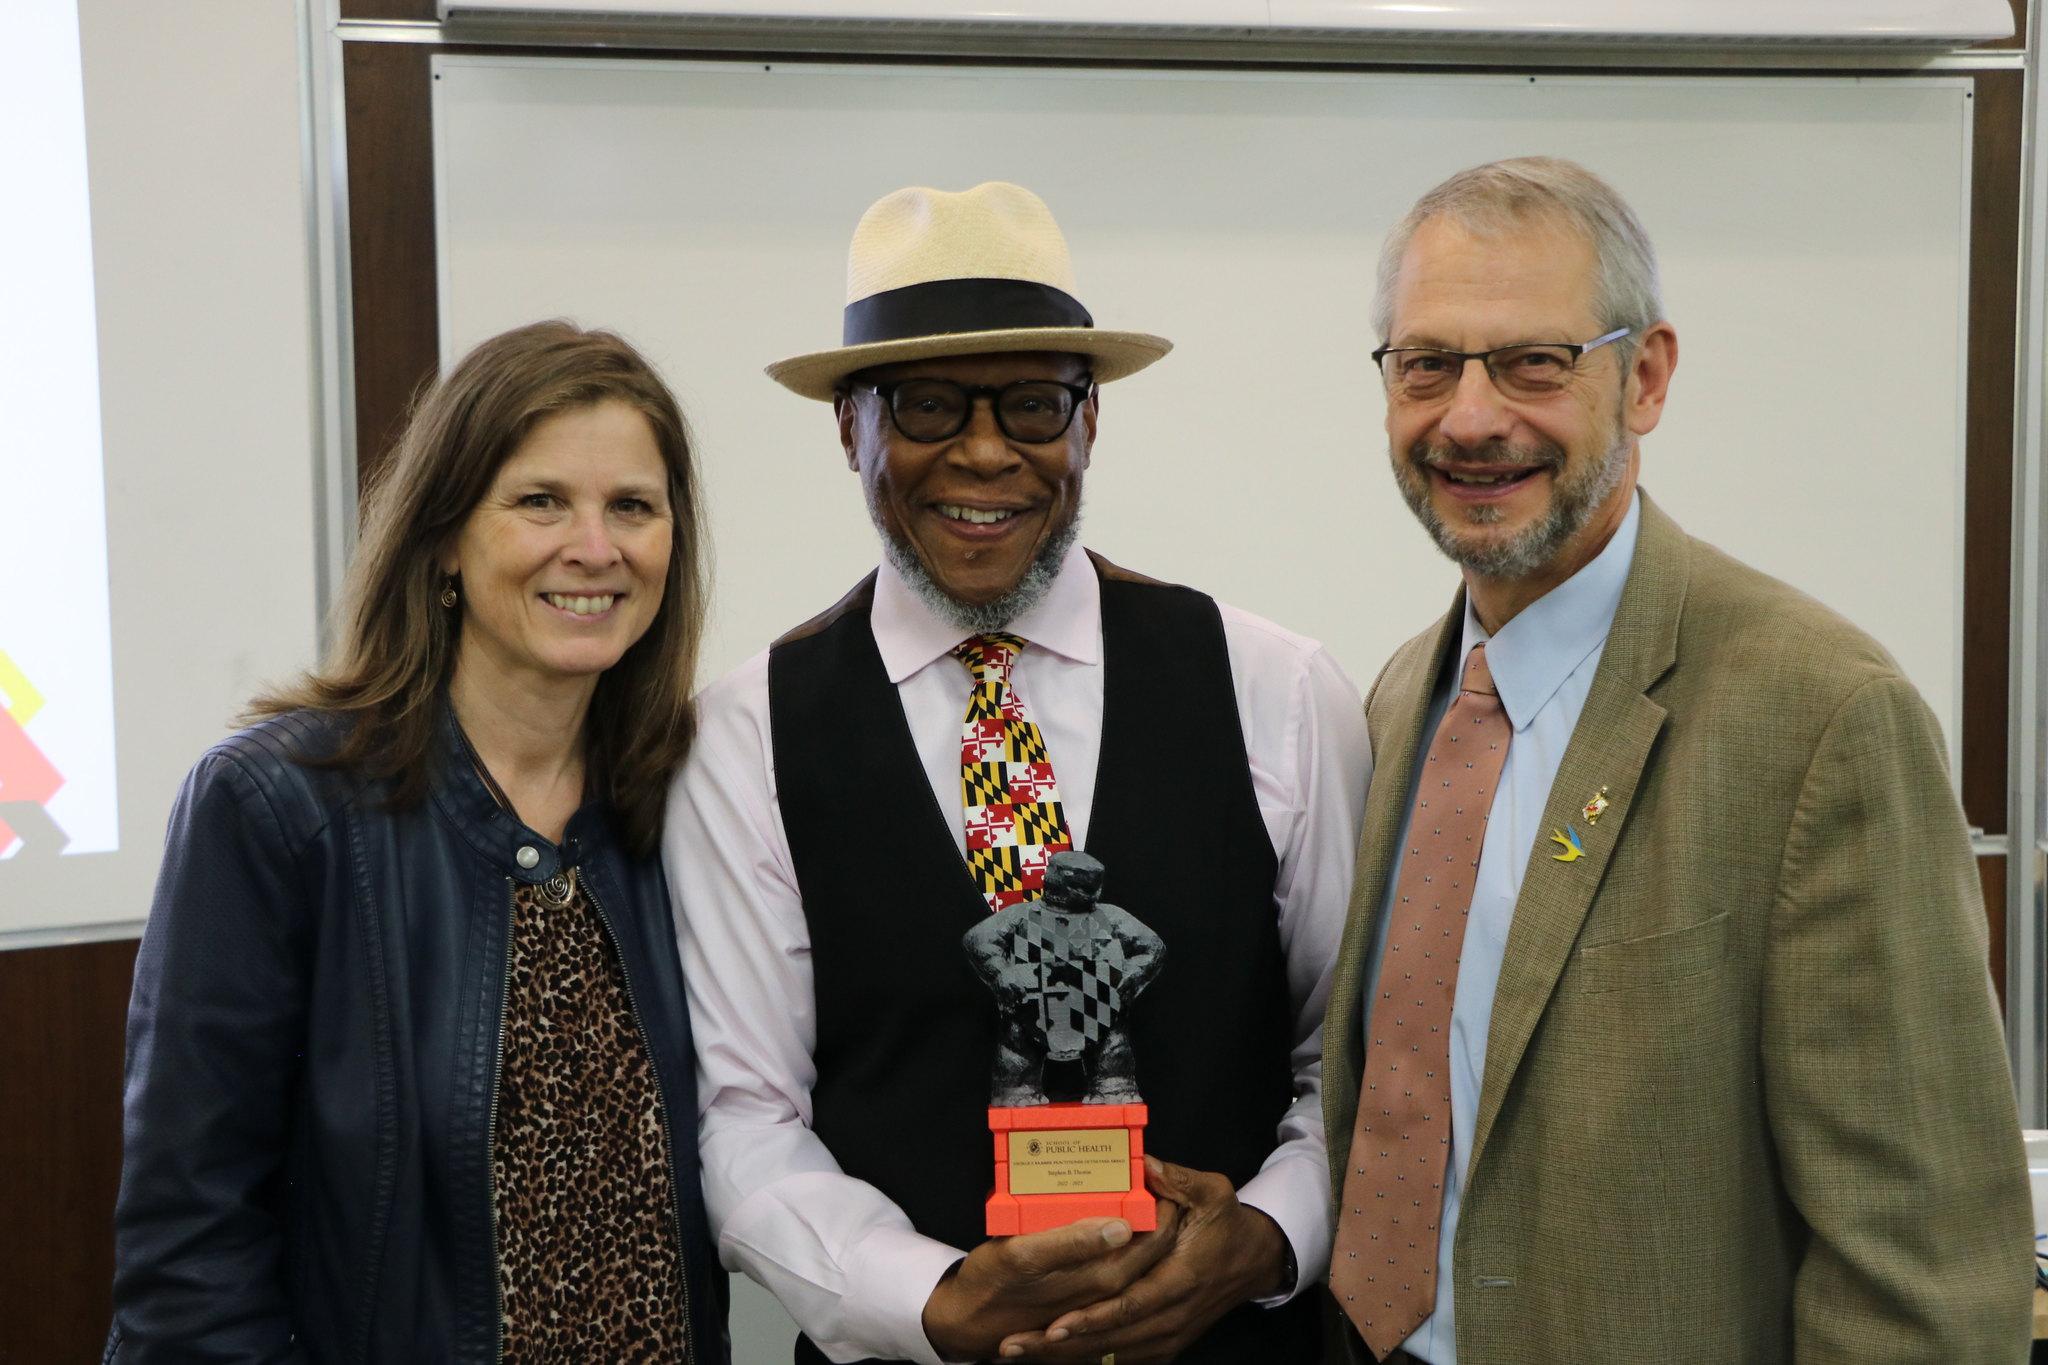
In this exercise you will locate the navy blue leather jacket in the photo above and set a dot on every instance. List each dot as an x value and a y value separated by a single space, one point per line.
313 1049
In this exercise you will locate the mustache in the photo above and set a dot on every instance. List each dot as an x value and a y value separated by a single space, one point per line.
1435 453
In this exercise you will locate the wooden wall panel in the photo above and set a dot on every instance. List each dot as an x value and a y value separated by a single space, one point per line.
1987 495
391 237
1991 872
2019 27
424 9
63 1012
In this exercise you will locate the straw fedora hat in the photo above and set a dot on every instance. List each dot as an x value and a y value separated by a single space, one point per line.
932 273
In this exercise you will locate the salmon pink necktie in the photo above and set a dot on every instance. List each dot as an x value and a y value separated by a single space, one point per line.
1383 1266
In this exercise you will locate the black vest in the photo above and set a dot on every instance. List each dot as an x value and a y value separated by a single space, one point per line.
906 1031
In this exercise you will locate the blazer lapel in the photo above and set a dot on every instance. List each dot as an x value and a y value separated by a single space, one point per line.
1609 748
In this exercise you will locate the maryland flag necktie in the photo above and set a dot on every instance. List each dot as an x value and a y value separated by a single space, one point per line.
1014 818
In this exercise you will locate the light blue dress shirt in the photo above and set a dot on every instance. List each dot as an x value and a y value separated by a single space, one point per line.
1542 663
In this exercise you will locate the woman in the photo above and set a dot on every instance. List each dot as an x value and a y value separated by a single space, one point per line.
409 1066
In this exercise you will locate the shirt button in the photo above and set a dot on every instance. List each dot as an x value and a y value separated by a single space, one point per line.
527 856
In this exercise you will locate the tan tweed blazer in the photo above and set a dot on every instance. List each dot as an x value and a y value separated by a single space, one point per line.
1746 1094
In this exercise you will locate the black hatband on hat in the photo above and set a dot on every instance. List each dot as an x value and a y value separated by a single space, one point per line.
940 307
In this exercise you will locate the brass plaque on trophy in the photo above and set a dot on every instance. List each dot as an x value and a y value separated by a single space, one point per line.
1070 1161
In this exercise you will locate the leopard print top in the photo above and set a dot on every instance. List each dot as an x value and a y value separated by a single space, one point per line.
587 1254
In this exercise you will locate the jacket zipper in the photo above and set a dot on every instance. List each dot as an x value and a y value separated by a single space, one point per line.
675 1216
491 1147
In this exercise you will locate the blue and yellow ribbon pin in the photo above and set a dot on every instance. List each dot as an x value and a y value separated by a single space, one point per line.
1568 839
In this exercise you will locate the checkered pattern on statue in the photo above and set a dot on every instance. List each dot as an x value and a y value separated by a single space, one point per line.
1079 974
1014 818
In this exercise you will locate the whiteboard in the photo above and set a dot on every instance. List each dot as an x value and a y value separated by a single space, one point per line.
1813 235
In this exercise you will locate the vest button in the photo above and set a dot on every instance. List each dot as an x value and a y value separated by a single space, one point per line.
528 856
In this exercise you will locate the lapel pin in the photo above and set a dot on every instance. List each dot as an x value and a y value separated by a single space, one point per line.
1597 807
1573 849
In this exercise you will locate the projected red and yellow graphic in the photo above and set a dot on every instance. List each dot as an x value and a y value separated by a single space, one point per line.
26 775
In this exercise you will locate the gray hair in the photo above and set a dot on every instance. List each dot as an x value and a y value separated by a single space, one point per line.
1490 200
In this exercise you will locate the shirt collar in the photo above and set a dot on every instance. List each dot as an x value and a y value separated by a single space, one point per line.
1552 636
1066 621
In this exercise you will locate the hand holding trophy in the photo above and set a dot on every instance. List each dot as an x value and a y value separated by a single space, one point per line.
1065 1109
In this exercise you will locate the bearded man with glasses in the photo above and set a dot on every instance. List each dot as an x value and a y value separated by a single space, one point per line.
1662 1029
886 776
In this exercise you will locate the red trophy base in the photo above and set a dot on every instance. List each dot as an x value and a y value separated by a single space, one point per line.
1058 1163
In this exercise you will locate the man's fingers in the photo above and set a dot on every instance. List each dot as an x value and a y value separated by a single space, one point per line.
1133 1321
1133 1344
1092 1323
1149 1336
1057 1249
1176 1184
1204 1236
1007 1288
1146 1250
1164 1289
1132 1306
1089 1280
1190 1189
1169 1215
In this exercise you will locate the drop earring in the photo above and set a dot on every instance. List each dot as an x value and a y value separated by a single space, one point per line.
448 595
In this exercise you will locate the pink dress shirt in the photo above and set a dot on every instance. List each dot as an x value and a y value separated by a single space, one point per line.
842 1258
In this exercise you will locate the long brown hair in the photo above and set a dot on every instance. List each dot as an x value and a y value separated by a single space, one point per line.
394 644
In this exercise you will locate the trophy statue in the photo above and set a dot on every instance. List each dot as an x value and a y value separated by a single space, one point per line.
1065 1110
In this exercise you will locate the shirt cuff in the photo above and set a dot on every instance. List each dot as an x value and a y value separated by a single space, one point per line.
888 1286
1295 1193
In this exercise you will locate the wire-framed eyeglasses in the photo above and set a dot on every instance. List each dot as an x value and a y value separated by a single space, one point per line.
1029 410
1422 374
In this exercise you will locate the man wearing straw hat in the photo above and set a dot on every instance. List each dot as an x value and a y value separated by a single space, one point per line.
840 825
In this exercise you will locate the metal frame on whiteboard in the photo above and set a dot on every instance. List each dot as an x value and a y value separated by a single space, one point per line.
710 34
2026 899
323 150
2025 849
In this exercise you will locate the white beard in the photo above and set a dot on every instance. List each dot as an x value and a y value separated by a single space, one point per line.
987 617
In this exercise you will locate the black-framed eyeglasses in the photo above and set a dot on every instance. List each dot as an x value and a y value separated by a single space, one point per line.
1028 410
1422 374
